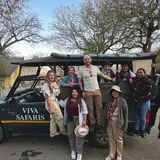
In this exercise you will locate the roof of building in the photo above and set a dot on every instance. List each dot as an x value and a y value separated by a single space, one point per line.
9 67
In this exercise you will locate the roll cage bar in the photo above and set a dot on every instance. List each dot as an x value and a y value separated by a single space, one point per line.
63 61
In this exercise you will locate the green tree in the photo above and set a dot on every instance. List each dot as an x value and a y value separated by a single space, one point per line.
97 26
142 23
4 66
92 27
158 56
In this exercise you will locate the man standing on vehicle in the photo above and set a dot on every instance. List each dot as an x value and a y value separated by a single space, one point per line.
91 92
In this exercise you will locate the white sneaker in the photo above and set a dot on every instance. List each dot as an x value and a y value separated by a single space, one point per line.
64 133
56 134
79 156
119 158
108 158
73 154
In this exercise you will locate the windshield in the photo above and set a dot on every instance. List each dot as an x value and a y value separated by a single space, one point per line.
27 84
24 85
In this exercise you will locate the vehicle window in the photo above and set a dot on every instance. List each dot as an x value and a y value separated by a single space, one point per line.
33 95
44 71
25 71
77 68
40 83
24 85
114 68
142 64
59 74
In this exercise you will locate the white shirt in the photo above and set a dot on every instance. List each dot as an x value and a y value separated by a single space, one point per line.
83 111
53 95
89 77
115 113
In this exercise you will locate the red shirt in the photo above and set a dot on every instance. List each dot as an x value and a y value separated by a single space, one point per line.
72 109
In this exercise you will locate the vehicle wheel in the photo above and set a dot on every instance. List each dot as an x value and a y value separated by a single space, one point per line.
1 133
101 138
8 135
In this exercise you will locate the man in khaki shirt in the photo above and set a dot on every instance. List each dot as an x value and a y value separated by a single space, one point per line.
90 89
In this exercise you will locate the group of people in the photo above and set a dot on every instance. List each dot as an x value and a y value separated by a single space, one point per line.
85 100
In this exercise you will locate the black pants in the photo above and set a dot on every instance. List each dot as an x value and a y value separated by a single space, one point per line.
153 114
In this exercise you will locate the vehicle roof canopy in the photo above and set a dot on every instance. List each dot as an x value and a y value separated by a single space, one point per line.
72 59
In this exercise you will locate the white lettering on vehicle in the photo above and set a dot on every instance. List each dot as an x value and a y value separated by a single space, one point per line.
30 114
30 110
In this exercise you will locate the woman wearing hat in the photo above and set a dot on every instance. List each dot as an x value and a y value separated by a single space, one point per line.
106 69
75 115
116 116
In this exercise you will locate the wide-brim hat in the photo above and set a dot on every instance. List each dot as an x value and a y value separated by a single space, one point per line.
81 131
116 88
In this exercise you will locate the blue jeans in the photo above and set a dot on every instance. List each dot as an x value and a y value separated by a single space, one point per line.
140 117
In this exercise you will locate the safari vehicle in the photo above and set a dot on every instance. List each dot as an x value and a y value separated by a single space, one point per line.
23 110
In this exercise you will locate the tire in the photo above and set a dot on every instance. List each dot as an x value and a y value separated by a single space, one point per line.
8 135
1 133
100 138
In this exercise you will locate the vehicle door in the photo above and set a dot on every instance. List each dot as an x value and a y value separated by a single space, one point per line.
25 111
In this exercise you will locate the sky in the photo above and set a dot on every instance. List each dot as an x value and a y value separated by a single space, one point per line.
44 9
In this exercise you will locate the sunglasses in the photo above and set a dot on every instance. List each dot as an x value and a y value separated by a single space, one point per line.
90 73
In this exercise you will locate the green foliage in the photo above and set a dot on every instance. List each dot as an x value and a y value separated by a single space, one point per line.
4 66
158 56
92 47
158 59
99 26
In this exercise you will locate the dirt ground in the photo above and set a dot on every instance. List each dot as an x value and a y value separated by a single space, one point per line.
45 148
